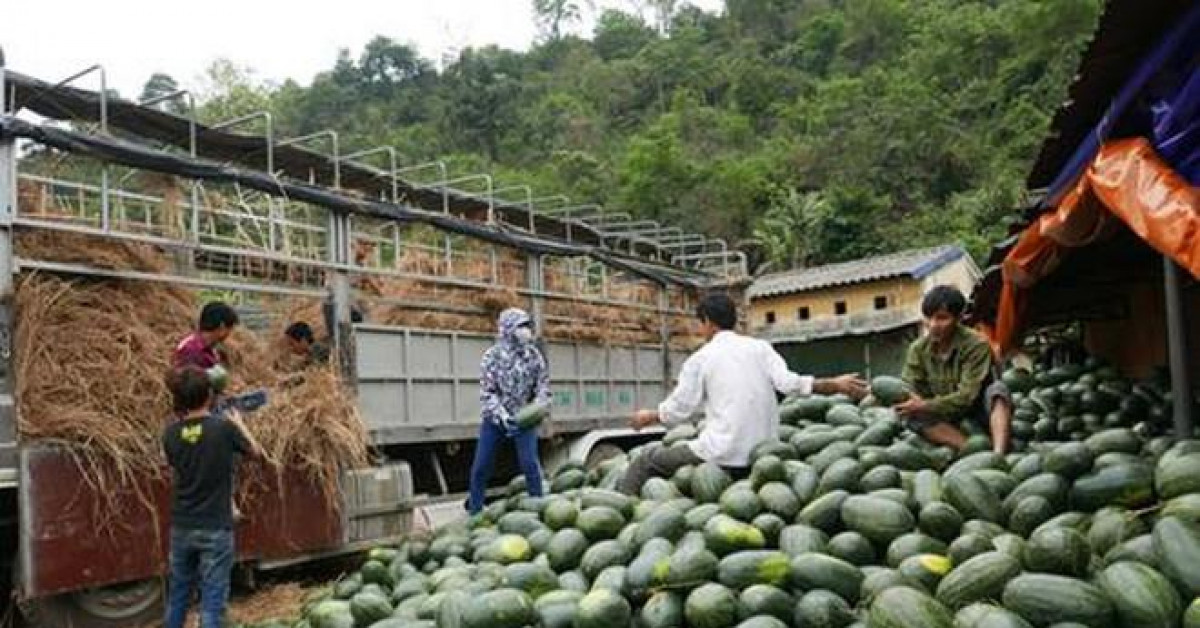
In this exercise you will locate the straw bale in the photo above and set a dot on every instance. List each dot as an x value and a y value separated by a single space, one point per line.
91 356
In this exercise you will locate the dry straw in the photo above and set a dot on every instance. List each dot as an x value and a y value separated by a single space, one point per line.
90 360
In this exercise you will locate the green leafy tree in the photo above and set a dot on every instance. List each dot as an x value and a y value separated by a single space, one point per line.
159 85
553 16
789 233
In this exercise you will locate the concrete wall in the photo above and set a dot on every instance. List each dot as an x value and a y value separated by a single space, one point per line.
1138 342
874 354
901 292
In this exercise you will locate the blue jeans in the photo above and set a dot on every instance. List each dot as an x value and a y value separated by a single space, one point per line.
490 437
201 558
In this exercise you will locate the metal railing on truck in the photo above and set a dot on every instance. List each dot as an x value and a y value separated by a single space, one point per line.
253 233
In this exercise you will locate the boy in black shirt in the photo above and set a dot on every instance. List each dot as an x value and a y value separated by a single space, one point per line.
200 447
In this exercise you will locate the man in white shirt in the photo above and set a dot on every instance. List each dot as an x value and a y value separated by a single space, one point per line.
735 379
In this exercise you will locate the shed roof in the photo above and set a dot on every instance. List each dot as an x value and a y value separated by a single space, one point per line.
914 263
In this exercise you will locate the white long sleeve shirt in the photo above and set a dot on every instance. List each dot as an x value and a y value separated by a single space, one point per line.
735 378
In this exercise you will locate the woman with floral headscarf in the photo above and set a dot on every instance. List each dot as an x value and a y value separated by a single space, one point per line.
513 374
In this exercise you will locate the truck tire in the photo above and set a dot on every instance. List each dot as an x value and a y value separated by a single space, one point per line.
601 452
128 604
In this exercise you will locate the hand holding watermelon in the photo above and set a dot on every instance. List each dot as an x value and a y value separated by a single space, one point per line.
531 415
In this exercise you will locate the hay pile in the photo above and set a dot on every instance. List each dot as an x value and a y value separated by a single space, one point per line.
90 359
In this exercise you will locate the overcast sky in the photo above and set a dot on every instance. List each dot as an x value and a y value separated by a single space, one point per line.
53 39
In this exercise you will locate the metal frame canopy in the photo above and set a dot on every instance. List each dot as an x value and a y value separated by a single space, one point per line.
216 154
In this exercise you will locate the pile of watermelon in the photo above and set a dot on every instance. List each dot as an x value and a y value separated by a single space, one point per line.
846 520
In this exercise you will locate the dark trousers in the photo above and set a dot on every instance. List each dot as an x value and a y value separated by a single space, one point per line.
662 462
204 559
490 437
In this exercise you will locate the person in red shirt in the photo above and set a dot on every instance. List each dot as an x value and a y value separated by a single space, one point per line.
199 348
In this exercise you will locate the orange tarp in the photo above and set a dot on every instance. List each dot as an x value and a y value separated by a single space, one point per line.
1128 181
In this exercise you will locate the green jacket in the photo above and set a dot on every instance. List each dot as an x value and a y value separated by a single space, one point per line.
950 382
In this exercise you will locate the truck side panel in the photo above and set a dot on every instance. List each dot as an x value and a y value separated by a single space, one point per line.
423 385
66 543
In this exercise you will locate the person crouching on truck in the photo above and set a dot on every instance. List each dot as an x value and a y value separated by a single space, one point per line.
734 378
513 374
201 347
200 447
303 344
950 372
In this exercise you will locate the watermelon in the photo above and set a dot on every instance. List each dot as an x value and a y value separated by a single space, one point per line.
603 555
927 570
818 571
1177 475
940 520
710 606
531 416
603 608
1029 513
741 502
1125 485
770 524
597 497
506 548
881 477
566 549
880 520
1177 544
742 569
502 608
853 548
913 544
599 523
663 523
876 580
724 535
560 513
664 609
331 614
988 616
980 578
1059 550
906 607
367 608
890 390
764 599
799 539
568 480
1047 599
1191 616
1142 596
778 498
1069 460
1111 527
972 497
825 512
822 608
557 609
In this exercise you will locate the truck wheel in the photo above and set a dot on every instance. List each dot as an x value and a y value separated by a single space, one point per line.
128 604
601 452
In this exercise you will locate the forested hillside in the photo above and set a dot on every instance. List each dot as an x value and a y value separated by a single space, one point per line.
807 131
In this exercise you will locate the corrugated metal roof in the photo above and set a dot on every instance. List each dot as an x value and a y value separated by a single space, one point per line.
915 263
1128 29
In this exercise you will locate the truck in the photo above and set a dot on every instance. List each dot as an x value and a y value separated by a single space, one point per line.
259 219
